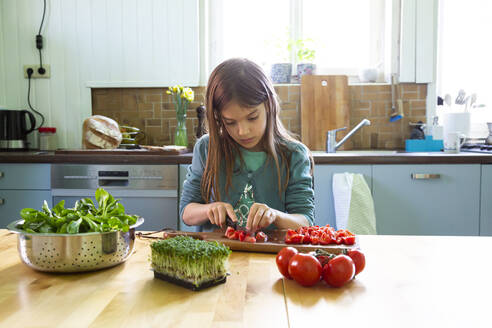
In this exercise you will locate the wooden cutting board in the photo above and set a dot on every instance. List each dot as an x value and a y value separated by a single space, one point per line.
274 244
325 105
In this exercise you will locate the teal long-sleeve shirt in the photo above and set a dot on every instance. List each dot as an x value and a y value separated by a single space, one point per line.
297 198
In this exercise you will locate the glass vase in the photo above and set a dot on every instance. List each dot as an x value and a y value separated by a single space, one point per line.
181 135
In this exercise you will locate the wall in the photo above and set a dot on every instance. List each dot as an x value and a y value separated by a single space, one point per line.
149 109
94 43
152 110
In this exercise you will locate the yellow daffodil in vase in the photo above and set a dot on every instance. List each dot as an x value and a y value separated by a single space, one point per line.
182 96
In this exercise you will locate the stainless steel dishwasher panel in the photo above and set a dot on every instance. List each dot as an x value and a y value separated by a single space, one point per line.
150 191
77 176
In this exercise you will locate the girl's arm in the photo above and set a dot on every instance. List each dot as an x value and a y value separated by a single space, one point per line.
261 216
300 192
195 214
290 221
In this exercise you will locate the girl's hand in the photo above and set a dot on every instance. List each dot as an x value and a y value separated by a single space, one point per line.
260 216
217 212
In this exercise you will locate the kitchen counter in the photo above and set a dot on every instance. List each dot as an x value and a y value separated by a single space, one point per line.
341 157
408 281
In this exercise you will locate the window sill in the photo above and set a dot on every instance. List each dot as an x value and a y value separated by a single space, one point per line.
351 82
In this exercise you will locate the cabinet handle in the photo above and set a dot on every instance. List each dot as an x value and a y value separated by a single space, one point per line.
1 174
2 201
424 176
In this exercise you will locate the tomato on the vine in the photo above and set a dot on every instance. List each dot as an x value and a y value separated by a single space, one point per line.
338 271
305 269
359 259
283 258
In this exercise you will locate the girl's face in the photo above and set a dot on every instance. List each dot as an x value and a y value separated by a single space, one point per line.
245 125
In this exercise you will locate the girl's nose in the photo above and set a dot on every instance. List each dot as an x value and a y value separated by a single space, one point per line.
243 129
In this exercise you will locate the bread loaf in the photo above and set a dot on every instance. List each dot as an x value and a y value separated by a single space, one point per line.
100 132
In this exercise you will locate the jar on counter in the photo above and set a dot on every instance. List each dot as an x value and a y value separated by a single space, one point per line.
47 138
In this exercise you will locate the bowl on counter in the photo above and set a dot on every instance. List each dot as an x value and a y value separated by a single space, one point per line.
54 252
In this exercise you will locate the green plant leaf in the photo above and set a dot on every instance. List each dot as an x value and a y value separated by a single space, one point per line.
46 208
63 228
28 213
58 209
46 228
102 197
83 217
74 226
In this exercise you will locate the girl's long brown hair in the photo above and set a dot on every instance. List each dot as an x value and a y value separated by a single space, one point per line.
244 82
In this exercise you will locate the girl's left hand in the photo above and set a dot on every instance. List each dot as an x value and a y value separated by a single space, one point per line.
260 216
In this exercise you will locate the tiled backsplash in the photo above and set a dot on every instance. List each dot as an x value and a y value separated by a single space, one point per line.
152 110
374 103
149 109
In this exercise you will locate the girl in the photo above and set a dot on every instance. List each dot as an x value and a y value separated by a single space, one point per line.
247 145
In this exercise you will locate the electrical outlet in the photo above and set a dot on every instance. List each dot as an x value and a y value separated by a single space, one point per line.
36 74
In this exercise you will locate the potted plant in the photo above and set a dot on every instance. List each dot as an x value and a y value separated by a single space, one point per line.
181 98
305 55
282 72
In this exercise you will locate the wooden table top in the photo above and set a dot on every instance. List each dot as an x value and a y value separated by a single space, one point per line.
409 281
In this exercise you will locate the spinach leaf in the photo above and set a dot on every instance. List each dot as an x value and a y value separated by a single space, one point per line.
58 209
74 226
83 217
46 208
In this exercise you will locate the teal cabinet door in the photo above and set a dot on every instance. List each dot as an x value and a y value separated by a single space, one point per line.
427 199
12 201
323 195
25 176
486 201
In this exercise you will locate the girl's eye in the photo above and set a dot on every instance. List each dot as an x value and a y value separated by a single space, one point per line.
229 123
252 118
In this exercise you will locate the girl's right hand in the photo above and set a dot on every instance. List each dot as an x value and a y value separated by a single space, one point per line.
218 211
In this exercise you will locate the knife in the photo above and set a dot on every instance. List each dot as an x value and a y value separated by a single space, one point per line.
230 223
234 225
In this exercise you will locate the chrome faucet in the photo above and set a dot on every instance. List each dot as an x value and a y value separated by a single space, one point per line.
331 136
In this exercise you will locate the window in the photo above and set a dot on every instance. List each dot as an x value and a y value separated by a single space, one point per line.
346 35
464 54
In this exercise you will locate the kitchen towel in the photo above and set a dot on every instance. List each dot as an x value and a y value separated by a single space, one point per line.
354 207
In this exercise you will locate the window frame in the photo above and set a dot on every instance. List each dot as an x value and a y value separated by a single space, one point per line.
385 18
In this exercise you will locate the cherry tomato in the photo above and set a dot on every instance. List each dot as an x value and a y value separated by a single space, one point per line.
229 233
359 260
338 271
250 239
242 235
305 269
349 240
236 235
283 258
261 236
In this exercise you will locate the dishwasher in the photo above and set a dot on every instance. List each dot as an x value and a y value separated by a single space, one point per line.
150 191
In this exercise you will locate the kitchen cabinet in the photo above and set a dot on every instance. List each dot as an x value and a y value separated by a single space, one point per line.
22 185
418 40
486 201
427 199
323 195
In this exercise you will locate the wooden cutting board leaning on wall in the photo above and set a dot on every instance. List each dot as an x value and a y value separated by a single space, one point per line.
325 105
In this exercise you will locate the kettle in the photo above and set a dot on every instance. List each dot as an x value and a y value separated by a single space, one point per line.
14 130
